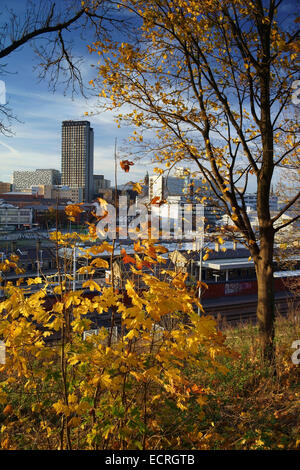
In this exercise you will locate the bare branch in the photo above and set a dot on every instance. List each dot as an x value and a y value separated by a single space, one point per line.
287 223
286 207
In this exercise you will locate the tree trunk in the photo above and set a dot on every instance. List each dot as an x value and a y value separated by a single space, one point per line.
265 294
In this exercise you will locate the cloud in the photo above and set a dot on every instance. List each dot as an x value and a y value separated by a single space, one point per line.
104 164
10 148
37 139
25 160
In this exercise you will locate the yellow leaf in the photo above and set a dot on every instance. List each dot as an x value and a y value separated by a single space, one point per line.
132 334
86 270
137 187
36 280
100 263
74 422
92 285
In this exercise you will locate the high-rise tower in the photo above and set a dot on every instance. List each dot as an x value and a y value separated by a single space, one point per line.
77 156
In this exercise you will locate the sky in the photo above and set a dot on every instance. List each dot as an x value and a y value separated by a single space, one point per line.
36 139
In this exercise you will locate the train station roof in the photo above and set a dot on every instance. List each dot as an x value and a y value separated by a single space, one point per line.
294 273
227 263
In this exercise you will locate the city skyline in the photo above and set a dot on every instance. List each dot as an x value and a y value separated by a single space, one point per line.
36 142
35 139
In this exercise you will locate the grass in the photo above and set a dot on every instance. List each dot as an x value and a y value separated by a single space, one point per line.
251 407
248 408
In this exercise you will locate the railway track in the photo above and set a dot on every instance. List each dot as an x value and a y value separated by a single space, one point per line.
227 311
239 310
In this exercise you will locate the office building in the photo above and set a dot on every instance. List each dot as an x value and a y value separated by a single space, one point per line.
100 184
23 180
77 157
56 192
251 201
5 187
183 189
17 216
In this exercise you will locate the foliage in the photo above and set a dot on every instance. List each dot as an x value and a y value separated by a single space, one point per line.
251 409
107 391
211 83
246 408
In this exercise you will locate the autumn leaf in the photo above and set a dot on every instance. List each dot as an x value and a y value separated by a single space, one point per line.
100 263
158 201
72 211
8 410
137 187
103 203
127 258
36 280
155 200
86 270
92 285
125 165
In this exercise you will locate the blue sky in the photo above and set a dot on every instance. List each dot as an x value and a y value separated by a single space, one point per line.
36 140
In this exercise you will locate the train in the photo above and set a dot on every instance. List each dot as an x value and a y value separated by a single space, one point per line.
234 288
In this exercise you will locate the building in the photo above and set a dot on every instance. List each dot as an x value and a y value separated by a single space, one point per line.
250 200
24 199
4 187
100 184
161 186
77 156
16 216
23 180
59 193
182 189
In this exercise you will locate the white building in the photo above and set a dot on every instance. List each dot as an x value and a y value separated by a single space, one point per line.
12 215
251 201
23 180
58 192
182 189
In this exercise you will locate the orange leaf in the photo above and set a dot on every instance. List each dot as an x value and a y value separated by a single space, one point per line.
127 258
125 165
8 410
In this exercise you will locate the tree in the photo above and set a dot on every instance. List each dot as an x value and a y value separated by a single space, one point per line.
50 29
135 389
289 238
214 79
